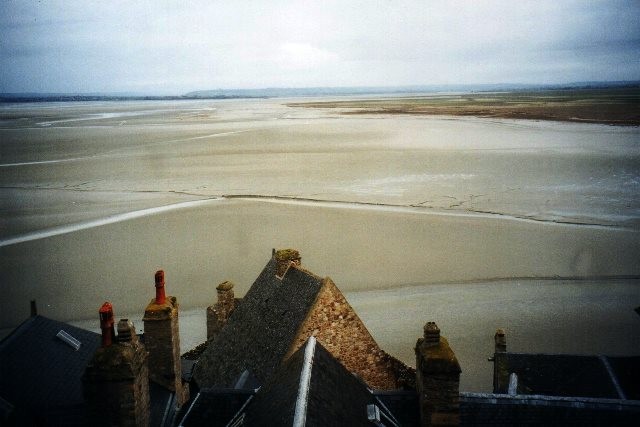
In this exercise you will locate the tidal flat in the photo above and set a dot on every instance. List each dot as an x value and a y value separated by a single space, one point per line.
471 222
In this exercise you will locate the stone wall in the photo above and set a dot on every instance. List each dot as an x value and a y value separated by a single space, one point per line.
338 328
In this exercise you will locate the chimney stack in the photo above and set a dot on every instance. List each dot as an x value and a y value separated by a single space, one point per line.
218 313
437 379
34 308
106 324
284 259
116 380
500 366
162 339
500 341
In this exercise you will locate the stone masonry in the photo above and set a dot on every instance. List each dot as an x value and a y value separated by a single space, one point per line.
338 328
284 259
218 314
162 339
116 382
438 379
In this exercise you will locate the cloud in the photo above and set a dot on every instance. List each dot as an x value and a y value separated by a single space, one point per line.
302 56
171 47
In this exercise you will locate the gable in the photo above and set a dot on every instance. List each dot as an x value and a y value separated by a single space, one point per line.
261 329
338 328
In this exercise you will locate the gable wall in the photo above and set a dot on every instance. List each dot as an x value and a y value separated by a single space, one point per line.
338 328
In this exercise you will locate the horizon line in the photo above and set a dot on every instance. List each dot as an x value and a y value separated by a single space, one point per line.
386 88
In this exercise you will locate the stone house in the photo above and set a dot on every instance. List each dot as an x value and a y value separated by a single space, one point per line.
285 306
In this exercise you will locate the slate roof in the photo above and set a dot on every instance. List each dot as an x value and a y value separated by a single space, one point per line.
311 386
39 373
327 394
260 331
562 375
484 409
627 371
215 407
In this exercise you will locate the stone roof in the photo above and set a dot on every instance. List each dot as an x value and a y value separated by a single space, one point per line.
39 372
261 329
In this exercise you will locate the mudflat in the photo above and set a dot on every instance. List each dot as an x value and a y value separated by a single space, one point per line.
473 223
618 106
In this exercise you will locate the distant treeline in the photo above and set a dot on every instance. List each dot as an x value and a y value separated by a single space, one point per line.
5 98
312 91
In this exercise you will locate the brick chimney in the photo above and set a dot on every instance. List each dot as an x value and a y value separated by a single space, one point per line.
437 379
500 368
162 339
218 313
284 258
116 380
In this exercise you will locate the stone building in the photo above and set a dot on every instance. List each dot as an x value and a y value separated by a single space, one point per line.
285 306
291 352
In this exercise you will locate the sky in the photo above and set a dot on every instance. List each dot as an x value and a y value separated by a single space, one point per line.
173 47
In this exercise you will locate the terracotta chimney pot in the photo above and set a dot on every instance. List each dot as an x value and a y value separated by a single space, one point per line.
106 324
160 295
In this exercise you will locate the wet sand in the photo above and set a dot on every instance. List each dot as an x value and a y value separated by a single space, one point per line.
413 217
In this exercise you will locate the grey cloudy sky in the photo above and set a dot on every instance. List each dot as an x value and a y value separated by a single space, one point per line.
171 47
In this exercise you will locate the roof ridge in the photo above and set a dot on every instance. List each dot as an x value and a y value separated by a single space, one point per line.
17 330
300 414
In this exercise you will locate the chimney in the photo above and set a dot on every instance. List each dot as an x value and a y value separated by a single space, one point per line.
34 308
500 341
284 259
162 340
218 313
116 380
106 324
500 366
437 379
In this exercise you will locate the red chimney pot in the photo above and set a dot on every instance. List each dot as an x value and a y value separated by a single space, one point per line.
106 324
160 295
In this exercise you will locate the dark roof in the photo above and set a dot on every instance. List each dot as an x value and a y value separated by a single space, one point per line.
627 371
310 386
161 405
215 407
40 372
561 375
484 409
261 329
403 404
332 396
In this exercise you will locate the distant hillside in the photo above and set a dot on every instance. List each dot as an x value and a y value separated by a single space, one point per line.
373 90
304 92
